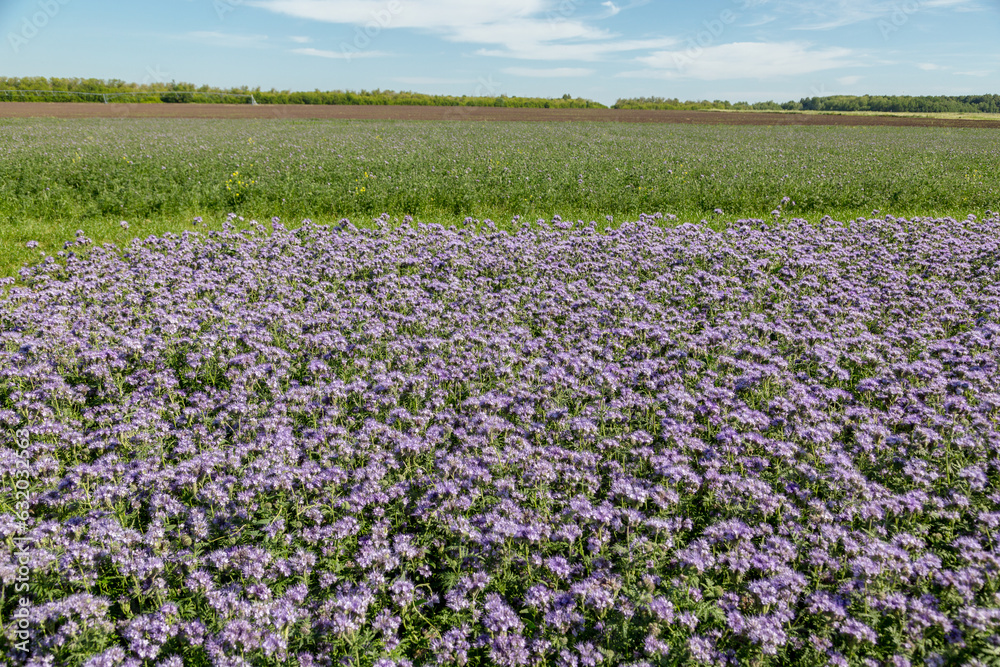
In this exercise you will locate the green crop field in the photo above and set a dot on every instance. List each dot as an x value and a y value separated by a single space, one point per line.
772 439
58 176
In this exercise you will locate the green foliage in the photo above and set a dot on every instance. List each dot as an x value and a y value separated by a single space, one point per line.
905 103
245 517
23 89
673 104
59 176
879 103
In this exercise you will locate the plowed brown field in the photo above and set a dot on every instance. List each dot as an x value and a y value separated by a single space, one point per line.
323 112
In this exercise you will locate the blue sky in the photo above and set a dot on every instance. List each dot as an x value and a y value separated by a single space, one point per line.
601 49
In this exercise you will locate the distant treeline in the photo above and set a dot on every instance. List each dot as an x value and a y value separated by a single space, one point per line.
923 104
885 103
19 89
674 104
114 90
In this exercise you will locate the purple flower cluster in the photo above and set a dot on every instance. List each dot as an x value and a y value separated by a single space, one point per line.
548 445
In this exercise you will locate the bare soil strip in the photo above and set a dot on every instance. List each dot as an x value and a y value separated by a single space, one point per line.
349 112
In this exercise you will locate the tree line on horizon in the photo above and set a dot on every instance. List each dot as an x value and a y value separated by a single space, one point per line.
93 90
881 103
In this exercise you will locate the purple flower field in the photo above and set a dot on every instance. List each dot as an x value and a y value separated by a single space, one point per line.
772 445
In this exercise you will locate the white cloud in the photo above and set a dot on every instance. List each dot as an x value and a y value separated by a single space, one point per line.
743 60
300 40
211 38
957 5
848 80
585 52
612 8
518 32
976 72
830 14
431 14
930 67
522 29
340 55
551 73
631 5
763 20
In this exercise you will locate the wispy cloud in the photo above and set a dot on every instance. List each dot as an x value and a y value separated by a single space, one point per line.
227 40
522 29
526 31
930 67
744 60
762 20
300 40
340 55
550 73
565 38
615 9
831 14
430 14
585 52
